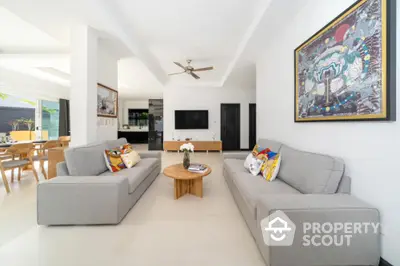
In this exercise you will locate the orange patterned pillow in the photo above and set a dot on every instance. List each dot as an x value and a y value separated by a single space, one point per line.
113 160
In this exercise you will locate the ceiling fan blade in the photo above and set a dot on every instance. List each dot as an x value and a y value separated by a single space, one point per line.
194 75
176 73
179 65
204 69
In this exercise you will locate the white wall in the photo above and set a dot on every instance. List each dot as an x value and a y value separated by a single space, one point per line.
107 74
370 149
238 89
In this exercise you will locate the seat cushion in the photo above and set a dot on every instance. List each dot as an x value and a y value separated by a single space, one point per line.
40 157
252 187
235 166
86 160
15 163
310 173
138 173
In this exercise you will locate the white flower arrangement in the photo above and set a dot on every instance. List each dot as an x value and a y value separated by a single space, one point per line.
187 147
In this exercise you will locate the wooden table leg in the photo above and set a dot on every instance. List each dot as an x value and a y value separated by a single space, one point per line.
179 188
193 187
196 187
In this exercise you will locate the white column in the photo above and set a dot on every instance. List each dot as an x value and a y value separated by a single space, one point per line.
83 95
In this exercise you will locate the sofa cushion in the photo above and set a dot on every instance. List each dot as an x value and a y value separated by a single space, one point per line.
235 165
138 173
86 160
275 146
252 187
111 144
310 173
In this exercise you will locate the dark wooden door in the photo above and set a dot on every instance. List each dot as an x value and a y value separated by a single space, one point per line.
252 125
230 127
156 128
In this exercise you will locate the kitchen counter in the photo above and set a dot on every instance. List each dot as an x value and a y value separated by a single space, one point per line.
135 129
134 135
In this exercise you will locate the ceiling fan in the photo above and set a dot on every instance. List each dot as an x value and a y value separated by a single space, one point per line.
189 69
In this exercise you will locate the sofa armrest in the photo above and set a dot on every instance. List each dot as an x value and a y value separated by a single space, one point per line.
62 169
350 223
150 154
82 200
236 155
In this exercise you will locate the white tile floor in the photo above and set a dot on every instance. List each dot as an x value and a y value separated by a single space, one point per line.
158 231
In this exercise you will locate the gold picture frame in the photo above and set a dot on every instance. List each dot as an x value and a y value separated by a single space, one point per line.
107 101
345 72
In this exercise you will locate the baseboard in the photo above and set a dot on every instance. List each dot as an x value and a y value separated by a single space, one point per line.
245 149
384 263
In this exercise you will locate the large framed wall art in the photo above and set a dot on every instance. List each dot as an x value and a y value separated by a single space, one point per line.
107 101
347 70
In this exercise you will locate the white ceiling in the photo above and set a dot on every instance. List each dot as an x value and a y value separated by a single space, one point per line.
148 36
136 81
28 50
19 34
206 31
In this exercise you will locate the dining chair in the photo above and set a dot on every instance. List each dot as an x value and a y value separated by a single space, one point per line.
21 156
64 141
42 154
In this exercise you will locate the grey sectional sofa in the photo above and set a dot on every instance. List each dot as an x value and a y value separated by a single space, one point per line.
310 189
85 192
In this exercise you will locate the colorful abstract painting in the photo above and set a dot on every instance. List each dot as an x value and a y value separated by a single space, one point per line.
342 71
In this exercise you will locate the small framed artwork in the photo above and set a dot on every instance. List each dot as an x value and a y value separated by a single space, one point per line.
347 70
107 101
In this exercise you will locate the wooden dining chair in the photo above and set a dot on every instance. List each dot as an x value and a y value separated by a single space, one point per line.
42 154
21 156
64 141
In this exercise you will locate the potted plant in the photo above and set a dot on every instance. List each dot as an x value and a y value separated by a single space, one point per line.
14 124
186 148
31 126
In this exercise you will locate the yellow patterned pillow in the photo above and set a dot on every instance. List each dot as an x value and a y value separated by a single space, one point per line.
271 168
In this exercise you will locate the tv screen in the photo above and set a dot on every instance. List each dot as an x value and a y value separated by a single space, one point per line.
191 119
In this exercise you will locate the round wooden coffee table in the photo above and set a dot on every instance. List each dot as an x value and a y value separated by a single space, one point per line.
186 182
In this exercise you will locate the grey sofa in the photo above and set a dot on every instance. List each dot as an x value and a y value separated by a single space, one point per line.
85 192
310 188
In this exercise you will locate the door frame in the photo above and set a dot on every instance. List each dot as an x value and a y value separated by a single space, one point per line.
239 133
255 141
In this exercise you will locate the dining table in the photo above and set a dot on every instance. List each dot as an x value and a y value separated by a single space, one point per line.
4 146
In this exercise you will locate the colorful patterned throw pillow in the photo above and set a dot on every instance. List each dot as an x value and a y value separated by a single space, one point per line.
130 159
271 167
113 160
259 152
255 166
267 156
126 148
248 161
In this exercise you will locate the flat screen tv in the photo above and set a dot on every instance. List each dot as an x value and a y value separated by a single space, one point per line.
191 119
